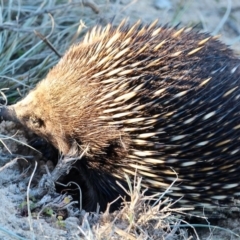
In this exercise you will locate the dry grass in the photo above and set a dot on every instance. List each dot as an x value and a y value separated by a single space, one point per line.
25 57
138 219
33 35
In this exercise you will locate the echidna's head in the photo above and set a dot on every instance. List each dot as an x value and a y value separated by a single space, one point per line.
64 108
35 113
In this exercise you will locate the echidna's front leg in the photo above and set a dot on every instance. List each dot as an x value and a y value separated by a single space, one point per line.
47 182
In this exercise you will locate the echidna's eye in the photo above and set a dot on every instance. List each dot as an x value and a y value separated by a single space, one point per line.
36 122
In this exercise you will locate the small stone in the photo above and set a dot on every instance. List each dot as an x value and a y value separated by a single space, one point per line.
162 4
72 225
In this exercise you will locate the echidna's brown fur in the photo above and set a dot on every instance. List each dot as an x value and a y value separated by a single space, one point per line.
153 98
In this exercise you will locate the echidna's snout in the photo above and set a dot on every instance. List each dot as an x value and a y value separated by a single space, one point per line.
8 113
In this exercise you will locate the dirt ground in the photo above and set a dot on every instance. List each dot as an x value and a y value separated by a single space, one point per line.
214 16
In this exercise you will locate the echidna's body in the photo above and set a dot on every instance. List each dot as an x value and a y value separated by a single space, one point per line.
157 99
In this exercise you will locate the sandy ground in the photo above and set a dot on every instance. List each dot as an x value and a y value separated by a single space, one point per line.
218 17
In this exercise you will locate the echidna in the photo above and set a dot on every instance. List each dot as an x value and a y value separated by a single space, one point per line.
161 100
